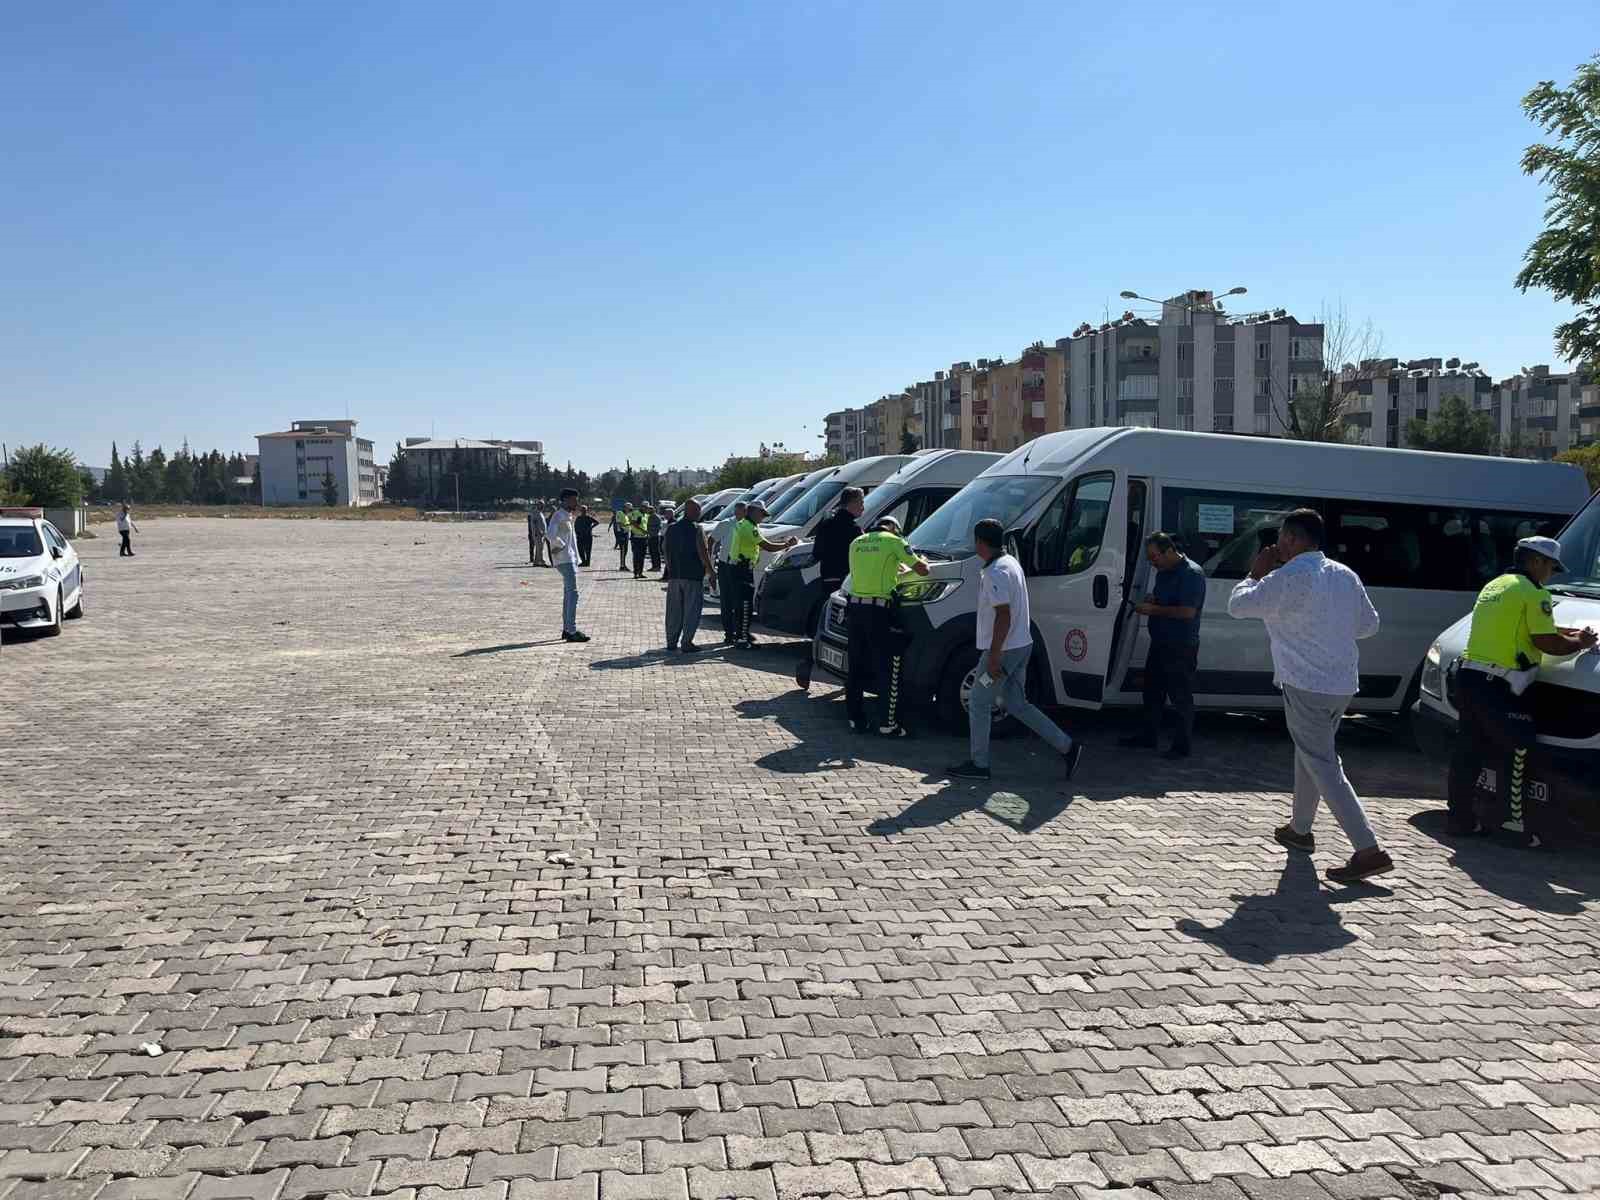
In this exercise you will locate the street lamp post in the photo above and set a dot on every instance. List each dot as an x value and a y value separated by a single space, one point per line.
1209 306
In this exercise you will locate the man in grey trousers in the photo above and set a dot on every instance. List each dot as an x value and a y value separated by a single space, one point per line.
537 525
1315 610
688 571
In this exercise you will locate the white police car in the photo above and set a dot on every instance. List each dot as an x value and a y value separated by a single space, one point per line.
41 580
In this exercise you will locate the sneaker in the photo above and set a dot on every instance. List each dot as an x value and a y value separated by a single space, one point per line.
1363 864
690 648
893 731
575 636
967 770
746 643
802 675
1071 757
1286 836
1140 740
673 650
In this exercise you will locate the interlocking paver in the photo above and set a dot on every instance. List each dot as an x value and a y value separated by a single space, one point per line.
417 905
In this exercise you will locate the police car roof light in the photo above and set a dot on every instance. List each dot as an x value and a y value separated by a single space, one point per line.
32 514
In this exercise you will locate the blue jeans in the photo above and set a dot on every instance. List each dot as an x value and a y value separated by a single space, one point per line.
569 597
1010 688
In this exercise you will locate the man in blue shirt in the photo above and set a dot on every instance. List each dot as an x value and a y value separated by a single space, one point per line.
1172 611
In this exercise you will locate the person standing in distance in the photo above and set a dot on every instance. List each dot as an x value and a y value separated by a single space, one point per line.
746 546
126 525
638 537
722 544
653 527
1005 644
688 572
831 547
1172 611
536 531
562 538
619 529
1513 628
877 560
1315 610
585 524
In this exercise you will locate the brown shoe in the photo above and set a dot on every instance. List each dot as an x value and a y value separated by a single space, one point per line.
1363 864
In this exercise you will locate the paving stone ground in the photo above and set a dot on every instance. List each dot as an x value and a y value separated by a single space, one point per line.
417 901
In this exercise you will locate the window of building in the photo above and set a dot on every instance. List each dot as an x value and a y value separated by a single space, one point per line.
1183 351
1263 422
1263 348
1222 423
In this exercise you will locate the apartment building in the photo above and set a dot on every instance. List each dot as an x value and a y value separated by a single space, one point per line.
296 462
1540 413
1383 397
435 462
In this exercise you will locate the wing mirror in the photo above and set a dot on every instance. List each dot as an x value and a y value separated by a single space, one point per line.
1017 545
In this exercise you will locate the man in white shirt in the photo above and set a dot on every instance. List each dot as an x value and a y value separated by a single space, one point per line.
1315 611
126 526
1005 644
561 536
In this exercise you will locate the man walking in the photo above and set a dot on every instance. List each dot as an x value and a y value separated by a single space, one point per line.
1513 628
1315 610
877 560
745 548
1172 611
688 570
722 537
563 542
830 546
537 525
126 525
585 526
1005 644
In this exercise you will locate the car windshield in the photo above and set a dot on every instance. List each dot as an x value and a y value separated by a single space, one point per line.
817 498
948 532
784 499
20 541
1580 551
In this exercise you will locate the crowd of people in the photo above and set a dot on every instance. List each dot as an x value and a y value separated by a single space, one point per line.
1315 611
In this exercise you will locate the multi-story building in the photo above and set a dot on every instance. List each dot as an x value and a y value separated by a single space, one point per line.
1381 398
435 462
296 463
1540 414
938 404
1195 368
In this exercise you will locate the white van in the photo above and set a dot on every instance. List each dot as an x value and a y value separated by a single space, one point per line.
714 503
1423 530
1565 696
789 596
797 514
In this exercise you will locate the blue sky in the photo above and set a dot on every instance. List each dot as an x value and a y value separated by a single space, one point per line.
669 232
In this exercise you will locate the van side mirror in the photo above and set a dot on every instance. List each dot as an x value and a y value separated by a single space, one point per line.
1016 545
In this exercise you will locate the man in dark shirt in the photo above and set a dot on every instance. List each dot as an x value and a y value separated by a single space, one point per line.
831 547
1172 610
688 570
585 527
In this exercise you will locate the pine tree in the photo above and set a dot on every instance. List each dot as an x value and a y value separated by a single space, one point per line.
115 488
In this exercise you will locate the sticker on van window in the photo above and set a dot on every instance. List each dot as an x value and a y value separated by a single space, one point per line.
1077 645
1216 518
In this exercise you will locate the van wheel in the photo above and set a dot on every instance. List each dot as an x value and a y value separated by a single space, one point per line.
951 700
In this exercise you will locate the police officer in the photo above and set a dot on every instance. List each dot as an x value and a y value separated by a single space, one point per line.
877 642
620 523
638 537
722 537
831 547
744 548
653 528
1513 628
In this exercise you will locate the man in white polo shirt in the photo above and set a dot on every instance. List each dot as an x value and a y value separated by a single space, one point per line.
1005 644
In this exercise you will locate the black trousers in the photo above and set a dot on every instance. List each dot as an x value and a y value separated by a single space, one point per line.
622 551
739 595
655 552
585 548
1169 675
1496 749
725 589
874 647
126 549
639 545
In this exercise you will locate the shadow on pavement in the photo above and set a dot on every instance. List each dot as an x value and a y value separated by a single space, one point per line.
1297 918
476 651
1564 881
1024 814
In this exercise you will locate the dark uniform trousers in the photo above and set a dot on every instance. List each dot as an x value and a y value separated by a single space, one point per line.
1495 732
639 545
621 535
726 591
876 646
1169 675
585 548
741 591
655 552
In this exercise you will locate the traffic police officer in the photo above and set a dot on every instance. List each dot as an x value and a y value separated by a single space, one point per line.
744 548
638 538
877 642
1513 628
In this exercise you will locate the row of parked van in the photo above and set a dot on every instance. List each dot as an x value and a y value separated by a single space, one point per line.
1424 531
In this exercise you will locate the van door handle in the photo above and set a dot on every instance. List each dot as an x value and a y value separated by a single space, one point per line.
1102 591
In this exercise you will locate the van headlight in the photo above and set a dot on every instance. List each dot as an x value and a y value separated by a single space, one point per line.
1433 672
16 585
926 591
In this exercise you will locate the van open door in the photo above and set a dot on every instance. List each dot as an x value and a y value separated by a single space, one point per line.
1127 639
1076 561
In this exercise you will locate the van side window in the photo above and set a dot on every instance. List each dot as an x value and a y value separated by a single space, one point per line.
1433 548
1068 537
1222 530
923 504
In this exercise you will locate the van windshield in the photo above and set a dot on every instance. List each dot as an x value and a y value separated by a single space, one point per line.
810 504
948 532
1580 551
784 499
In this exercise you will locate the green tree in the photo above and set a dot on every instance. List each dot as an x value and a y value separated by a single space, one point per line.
1454 428
330 488
177 484
401 486
1313 404
608 484
91 486
908 442
115 488
48 477
628 485
1565 258
1587 457
156 474
742 472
